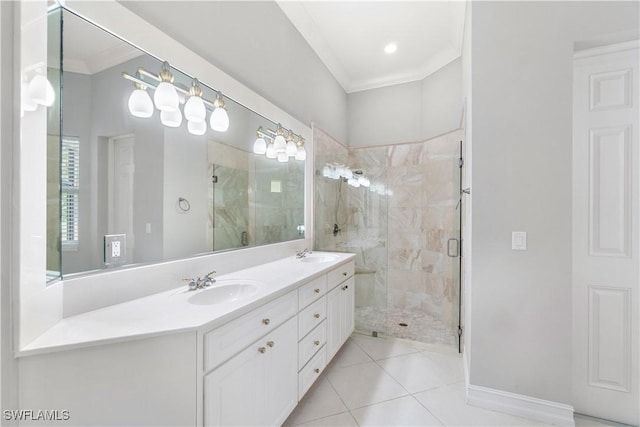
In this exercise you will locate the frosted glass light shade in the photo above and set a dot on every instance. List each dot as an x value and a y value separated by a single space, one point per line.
353 182
301 154
171 119
219 120
40 91
291 148
271 152
140 104
166 97
27 103
282 157
280 143
194 109
197 128
260 146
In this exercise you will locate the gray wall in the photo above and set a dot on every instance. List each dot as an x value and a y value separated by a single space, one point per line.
407 112
522 130
255 43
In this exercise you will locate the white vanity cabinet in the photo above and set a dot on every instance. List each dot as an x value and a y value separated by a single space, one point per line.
340 307
258 385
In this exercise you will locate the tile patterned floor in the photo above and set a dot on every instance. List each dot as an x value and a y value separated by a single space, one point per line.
420 325
389 382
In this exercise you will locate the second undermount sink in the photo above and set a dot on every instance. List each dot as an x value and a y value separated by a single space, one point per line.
319 258
225 291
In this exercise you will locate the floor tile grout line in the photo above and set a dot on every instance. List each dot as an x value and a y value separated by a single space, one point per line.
427 409
342 400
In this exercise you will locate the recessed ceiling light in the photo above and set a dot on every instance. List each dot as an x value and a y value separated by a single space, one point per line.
390 48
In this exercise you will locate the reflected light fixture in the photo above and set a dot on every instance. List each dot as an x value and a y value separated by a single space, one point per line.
279 142
291 148
282 157
301 153
171 119
40 91
260 146
166 97
140 104
197 128
274 144
271 151
354 178
219 120
390 48
28 104
194 109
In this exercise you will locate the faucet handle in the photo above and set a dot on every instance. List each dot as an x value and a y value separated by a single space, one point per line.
193 283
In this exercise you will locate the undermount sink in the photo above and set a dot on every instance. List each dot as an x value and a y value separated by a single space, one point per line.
319 258
225 292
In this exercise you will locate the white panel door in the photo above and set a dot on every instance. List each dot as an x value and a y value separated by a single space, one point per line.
606 267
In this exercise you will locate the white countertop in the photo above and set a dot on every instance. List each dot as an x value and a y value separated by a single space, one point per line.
170 312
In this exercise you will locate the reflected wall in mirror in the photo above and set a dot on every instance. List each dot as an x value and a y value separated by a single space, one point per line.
144 191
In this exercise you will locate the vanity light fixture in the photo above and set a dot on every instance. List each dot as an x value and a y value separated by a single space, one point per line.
219 120
275 145
167 96
40 91
140 104
194 109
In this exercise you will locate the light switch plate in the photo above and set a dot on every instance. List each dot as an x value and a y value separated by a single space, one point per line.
519 240
115 249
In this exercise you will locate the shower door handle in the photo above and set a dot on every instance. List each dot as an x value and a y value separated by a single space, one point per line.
453 248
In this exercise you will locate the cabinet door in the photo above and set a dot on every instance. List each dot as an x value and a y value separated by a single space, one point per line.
282 373
235 393
347 309
334 322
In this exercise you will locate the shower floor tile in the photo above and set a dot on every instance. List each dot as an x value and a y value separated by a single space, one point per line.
421 326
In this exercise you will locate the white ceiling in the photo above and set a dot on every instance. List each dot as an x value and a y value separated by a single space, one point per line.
350 36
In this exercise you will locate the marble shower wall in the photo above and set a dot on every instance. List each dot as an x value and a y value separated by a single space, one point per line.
330 196
400 238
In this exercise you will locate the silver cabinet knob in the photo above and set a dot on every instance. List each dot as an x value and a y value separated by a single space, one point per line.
317 315
262 349
266 321
317 290
317 370
271 343
344 274
316 342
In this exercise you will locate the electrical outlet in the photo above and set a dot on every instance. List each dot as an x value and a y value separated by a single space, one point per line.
115 249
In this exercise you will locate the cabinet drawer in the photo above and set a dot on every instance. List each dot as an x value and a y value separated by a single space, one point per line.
340 274
311 372
227 340
311 344
312 316
312 291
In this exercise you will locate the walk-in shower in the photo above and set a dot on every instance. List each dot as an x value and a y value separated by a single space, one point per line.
405 231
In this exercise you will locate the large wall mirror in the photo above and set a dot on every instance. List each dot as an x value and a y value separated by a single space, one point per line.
124 189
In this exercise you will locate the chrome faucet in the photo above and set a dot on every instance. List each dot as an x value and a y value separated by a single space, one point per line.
303 253
201 282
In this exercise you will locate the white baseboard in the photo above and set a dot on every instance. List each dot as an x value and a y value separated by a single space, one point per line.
519 405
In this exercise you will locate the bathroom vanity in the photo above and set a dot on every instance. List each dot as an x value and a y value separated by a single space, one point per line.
241 352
